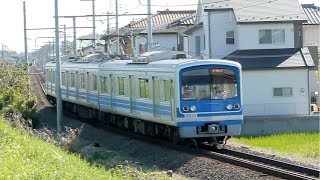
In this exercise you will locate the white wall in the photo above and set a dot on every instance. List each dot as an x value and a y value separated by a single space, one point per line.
249 35
311 35
192 43
258 96
220 23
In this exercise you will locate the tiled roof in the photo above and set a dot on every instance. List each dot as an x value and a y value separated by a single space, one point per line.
188 20
312 12
172 27
248 11
272 58
161 17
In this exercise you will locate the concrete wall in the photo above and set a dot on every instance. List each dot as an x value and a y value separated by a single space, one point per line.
258 96
311 35
265 125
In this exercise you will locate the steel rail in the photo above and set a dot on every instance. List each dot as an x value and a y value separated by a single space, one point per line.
267 169
281 164
261 164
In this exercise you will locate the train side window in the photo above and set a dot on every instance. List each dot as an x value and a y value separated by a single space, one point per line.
144 88
53 76
166 89
49 76
72 80
67 78
121 85
82 81
63 78
104 84
94 82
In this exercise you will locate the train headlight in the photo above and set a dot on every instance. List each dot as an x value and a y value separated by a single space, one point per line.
193 108
229 106
236 106
185 108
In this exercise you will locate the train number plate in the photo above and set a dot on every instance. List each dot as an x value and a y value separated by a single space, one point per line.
190 115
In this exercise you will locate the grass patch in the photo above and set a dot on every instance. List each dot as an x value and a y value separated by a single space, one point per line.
25 157
302 144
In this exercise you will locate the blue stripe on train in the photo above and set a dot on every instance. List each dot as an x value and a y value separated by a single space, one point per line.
106 100
202 123
181 115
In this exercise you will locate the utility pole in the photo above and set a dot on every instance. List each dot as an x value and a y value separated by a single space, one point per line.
117 29
108 31
65 39
149 41
74 36
25 34
94 26
58 68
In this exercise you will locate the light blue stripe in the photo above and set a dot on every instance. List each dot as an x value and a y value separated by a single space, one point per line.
202 123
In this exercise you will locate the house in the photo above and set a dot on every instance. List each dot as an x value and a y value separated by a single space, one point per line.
86 46
168 28
311 39
100 48
266 39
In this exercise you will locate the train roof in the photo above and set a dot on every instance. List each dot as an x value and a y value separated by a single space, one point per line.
161 65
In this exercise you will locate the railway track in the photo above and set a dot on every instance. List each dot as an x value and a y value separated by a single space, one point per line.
40 78
260 164
265 165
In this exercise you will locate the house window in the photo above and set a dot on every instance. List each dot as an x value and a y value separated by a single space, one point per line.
144 88
230 37
94 82
104 86
82 81
282 92
121 85
166 88
72 80
274 36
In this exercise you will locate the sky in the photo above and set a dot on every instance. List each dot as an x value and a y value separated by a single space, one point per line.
40 14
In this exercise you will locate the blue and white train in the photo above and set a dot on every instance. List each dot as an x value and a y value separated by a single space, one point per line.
176 98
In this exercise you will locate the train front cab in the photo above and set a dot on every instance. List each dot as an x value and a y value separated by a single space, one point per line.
210 101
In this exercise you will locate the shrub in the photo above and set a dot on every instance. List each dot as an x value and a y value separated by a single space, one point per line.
15 96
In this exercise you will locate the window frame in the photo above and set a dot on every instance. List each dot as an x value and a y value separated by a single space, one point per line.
104 84
283 89
232 37
72 80
273 39
121 86
94 82
63 79
82 81
145 83
166 90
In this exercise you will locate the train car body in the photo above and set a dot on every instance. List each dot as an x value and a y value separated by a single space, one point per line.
188 98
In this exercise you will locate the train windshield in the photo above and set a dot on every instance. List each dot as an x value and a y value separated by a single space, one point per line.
216 83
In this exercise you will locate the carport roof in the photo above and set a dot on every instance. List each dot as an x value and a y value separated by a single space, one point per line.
272 58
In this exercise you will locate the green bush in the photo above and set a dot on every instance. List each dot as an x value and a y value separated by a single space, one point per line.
15 93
